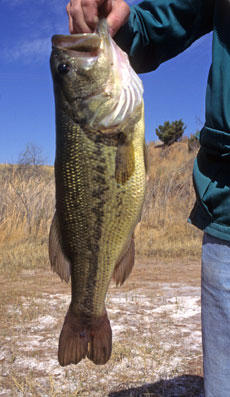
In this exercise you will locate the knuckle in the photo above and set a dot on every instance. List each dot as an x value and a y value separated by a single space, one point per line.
75 7
87 3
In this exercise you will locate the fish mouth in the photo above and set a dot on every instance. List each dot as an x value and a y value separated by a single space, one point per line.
84 43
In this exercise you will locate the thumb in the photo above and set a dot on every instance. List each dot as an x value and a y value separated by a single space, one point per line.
118 16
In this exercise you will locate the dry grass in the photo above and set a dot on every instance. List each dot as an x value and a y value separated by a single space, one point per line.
27 205
26 202
164 230
155 316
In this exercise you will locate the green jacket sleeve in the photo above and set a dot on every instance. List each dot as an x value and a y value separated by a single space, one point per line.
158 30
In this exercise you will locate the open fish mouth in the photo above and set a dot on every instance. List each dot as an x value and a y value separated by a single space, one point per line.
85 43
117 98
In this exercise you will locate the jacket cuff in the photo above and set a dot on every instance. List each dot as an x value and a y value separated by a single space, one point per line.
215 142
124 36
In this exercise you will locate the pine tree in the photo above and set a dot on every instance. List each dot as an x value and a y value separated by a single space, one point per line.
172 132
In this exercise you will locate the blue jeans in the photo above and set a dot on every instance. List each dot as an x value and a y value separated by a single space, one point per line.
215 311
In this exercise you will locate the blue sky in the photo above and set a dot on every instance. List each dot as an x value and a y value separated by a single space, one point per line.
176 90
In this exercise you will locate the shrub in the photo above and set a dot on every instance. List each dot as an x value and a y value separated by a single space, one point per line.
172 132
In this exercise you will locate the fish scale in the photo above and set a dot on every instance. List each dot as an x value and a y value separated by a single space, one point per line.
82 215
100 185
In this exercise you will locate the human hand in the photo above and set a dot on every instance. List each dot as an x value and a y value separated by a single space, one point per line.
84 14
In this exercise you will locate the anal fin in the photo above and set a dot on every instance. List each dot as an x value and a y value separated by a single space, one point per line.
124 266
59 262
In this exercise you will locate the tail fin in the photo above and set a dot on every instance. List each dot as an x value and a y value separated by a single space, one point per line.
82 337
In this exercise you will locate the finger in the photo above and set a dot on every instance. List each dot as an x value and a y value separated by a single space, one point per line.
69 18
118 16
91 12
105 9
77 22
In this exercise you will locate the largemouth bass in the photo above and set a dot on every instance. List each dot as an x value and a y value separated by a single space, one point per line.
100 182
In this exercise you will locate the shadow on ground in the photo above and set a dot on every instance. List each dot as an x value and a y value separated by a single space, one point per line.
181 386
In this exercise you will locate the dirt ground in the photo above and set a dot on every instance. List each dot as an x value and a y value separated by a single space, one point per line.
155 318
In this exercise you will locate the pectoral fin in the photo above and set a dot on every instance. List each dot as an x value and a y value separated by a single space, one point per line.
124 266
125 160
59 263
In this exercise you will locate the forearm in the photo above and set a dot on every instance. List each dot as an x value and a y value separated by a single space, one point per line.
158 30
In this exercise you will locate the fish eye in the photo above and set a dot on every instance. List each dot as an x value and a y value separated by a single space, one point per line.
63 68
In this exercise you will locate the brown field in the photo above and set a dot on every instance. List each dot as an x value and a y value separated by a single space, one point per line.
155 316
